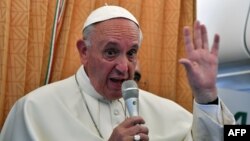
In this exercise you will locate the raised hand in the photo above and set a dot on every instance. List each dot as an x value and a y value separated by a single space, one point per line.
201 64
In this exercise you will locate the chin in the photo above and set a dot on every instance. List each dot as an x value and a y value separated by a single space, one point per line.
114 96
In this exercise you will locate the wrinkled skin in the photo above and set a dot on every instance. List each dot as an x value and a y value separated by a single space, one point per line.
201 64
128 128
112 57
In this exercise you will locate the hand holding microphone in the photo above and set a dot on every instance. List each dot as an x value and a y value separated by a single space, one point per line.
131 128
130 93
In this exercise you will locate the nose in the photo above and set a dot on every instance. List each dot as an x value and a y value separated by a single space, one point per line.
122 65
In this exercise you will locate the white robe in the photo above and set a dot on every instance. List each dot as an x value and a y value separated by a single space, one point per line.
57 112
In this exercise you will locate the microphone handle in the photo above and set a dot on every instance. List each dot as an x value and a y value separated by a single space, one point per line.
133 107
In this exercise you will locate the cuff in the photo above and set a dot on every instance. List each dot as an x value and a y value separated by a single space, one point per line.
212 109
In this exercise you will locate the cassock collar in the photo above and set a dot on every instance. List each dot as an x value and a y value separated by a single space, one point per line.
86 87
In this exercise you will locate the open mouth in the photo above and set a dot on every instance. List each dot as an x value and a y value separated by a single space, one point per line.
117 80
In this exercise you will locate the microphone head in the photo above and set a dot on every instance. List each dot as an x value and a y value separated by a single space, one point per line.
130 94
130 89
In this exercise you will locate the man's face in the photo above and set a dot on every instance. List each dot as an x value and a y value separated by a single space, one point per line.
112 57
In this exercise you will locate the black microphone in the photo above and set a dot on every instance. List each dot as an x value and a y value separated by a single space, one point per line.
130 93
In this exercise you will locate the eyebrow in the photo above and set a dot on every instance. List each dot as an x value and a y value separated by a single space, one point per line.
111 43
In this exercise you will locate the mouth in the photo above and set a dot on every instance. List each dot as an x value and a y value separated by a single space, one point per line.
116 83
116 80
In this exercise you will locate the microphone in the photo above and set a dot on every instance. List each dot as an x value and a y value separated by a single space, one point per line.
130 93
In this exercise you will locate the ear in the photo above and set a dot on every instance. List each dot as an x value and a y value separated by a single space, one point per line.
82 49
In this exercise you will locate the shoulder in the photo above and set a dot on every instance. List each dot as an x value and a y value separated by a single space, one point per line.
50 93
160 103
53 88
152 98
164 115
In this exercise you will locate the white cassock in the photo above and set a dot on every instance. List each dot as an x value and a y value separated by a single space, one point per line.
57 112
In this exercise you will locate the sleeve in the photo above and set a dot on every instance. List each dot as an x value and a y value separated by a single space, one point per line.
15 128
208 121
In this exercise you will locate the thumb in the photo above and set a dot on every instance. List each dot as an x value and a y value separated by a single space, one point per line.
186 63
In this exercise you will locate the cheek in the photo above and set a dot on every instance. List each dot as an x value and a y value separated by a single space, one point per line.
132 66
131 72
101 69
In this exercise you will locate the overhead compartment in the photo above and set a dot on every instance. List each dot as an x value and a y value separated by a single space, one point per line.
230 19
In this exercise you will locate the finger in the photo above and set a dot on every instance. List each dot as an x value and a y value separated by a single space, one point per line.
197 35
132 121
137 129
140 130
188 40
204 37
215 47
143 137
187 64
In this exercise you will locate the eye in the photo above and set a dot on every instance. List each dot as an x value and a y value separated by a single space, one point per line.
111 53
132 53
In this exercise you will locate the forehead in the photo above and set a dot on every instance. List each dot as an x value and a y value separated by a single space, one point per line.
118 28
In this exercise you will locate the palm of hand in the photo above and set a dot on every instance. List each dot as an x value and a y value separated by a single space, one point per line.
201 64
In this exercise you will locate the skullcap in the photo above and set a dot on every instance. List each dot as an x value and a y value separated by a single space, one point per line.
108 12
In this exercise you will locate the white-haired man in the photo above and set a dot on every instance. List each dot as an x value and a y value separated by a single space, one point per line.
89 105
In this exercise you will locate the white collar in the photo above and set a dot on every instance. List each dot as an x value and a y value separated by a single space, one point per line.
85 84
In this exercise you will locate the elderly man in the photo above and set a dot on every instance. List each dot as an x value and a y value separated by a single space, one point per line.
89 105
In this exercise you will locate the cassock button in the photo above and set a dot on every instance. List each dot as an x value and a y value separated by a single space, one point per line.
116 112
